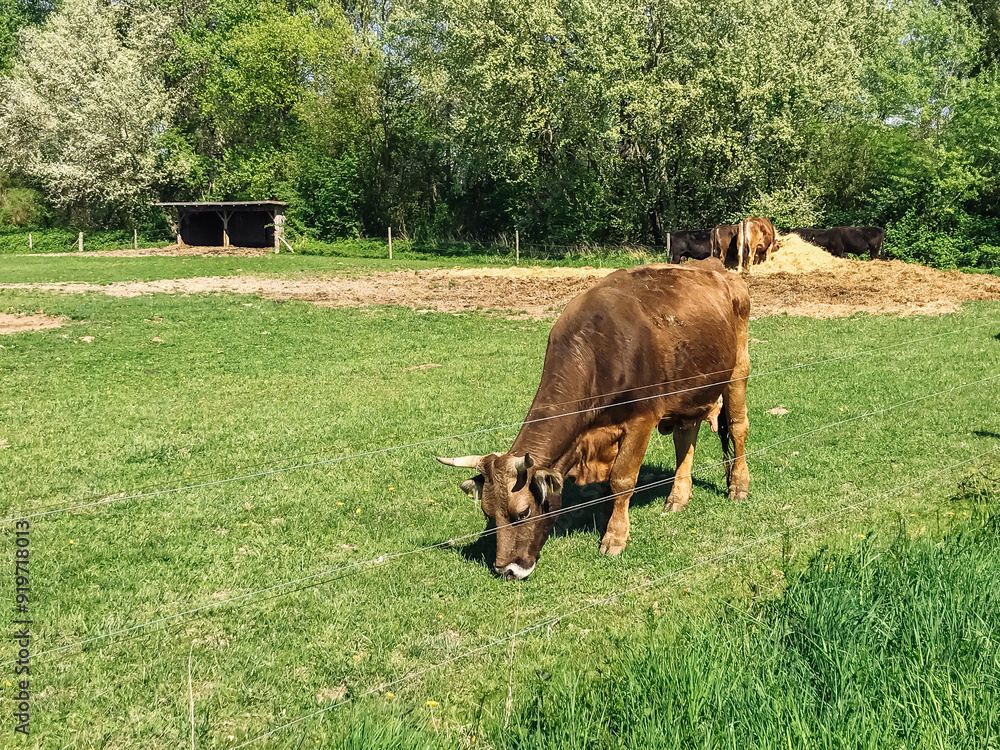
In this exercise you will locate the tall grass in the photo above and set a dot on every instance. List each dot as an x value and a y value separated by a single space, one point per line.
869 647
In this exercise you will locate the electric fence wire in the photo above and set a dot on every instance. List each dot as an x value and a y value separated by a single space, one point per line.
106 499
617 595
381 559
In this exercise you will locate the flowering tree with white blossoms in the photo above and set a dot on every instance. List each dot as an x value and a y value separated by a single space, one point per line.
83 108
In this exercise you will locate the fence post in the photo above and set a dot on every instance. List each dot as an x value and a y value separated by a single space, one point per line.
670 258
31 242
390 243
80 241
135 239
517 248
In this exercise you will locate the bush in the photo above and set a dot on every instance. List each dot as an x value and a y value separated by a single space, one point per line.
65 240
22 207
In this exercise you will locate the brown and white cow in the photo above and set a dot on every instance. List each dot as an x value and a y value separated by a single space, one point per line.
651 347
755 236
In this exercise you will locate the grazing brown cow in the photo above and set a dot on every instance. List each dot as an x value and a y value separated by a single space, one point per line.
755 236
723 241
651 347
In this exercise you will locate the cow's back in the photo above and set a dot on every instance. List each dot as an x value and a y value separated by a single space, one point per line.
648 331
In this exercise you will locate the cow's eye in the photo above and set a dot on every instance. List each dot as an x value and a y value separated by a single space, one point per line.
523 514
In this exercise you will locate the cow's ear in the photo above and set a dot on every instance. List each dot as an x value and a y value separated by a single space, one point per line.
546 483
474 486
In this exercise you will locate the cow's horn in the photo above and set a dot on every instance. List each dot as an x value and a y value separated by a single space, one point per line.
463 462
523 464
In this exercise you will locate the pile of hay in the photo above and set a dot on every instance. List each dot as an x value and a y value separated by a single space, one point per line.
795 255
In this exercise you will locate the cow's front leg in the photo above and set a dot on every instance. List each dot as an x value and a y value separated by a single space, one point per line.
685 437
624 474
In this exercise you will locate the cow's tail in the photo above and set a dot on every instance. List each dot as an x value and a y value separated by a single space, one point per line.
728 443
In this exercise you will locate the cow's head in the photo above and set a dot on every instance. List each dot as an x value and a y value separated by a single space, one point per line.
520 499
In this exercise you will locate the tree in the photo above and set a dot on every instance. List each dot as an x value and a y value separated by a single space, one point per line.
83 112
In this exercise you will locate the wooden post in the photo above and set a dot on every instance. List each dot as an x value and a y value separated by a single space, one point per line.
669 256
80 241
225 228
517 248
135 239
390 243
279 230
31 243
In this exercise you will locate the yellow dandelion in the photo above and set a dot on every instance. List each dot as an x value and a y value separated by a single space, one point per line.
913 515
9 683
693 531
950 513
339 503
390 695
70 541
432 703
244 524
861 536
431 501
392 489
357 511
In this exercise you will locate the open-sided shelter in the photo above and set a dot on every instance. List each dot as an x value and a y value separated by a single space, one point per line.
228 223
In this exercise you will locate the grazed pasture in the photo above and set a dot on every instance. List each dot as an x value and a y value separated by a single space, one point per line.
165 391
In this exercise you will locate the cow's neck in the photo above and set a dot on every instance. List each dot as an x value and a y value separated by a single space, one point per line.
549 434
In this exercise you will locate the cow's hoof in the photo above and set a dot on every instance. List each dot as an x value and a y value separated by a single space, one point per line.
674 504
739 494
612 547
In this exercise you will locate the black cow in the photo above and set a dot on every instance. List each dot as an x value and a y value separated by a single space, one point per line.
840 241
696 245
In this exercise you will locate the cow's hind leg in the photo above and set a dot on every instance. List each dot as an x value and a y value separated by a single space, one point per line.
624 474
685 438
734 405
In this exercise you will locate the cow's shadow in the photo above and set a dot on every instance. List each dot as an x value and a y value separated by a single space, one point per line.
585 511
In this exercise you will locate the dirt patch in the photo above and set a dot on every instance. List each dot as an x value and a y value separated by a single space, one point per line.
22 323
839 288
169 250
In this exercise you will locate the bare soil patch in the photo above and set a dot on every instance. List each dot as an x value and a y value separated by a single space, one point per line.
797 280
169 250
22 323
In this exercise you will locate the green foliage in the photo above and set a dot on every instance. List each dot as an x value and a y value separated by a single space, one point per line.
55 240
571 121
21 206
14 16
330 193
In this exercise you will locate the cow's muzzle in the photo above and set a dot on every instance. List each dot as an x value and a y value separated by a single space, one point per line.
513 571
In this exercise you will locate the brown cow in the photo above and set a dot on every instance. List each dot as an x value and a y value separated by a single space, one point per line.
755 236
653 346
723 241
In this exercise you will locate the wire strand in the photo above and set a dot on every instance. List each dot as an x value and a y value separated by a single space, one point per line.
617 595
118 497
381 559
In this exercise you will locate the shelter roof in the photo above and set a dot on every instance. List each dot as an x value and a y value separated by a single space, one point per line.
216 205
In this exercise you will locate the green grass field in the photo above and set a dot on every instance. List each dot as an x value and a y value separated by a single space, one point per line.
239 386
341 259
